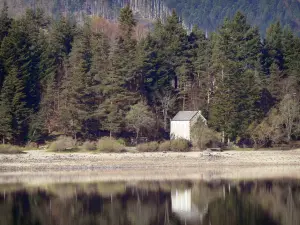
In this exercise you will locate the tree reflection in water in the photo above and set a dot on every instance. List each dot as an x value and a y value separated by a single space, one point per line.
153 203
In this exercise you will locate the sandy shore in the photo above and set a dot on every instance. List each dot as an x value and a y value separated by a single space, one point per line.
41 166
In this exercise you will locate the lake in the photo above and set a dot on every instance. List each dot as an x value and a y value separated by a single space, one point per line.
220 202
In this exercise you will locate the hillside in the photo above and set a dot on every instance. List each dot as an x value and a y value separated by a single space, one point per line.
208 14
107 79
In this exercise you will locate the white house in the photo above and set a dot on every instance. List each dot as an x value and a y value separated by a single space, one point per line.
182 123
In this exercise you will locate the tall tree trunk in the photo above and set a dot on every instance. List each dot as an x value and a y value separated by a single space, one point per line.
165 120
183 102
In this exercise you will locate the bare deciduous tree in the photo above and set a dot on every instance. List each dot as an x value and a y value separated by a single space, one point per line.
167 100
280 124
140 117
202 135
289 110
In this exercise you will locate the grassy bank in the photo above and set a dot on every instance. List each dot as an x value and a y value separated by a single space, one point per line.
11 149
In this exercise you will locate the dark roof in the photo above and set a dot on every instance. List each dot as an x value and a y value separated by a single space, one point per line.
184 115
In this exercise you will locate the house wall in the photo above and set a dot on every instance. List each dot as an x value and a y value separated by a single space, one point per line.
180 129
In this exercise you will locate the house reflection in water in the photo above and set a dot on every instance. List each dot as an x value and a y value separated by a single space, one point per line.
184 208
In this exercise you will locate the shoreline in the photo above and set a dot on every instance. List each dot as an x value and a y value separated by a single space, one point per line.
39 166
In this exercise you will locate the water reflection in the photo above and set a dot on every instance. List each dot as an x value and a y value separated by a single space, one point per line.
149 203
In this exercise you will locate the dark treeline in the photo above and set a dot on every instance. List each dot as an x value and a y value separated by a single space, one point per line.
59 78
209 14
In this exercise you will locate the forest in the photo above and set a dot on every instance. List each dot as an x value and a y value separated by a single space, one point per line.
105 79
207 14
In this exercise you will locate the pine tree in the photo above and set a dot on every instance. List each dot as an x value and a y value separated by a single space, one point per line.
201 85
274 48
275 82
100 50
21 64
291 52
2 74
54 58
121 83
77 95
5 25
14 112
236 56
6 110
5 22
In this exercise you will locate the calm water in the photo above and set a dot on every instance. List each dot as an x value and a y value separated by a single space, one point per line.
153 203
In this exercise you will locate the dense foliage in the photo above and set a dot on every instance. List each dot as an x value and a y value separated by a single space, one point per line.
207 14
59 78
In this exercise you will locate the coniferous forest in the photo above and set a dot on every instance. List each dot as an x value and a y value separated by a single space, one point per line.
99 78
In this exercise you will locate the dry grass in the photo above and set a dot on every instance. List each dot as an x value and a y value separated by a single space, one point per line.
89 146
107 144
148 147
10 149
31 146
165 146
179 145
63 144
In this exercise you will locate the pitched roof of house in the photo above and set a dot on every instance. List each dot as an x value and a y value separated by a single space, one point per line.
184 115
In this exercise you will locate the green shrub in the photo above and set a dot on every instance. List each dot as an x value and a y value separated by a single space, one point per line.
10 149
165 146
180 145
63 144
121 141
148 147
89 146
107 144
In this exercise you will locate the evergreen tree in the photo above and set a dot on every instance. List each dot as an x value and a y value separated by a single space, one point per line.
201 85
237 54
120 85
6 111
5 22
167 64
275 82
291 52
58 45
100 50
21 64
77 95
5 25
274 48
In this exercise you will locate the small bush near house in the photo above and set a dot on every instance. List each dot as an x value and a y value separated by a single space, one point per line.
10 149
165 146
180 145
107 144
148 147
89 146
63 144
203 136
